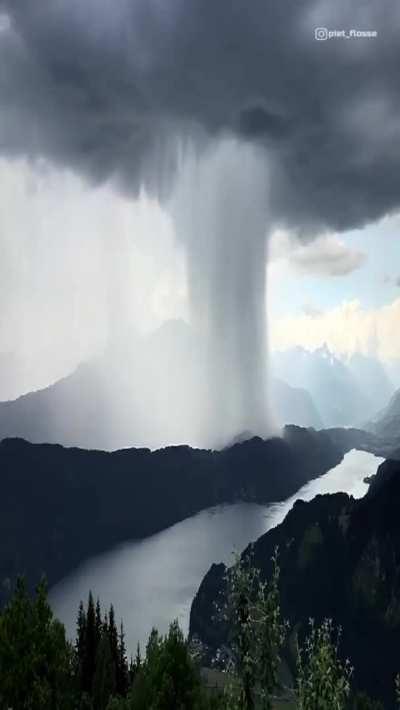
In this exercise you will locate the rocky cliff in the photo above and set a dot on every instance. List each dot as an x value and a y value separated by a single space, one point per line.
339 558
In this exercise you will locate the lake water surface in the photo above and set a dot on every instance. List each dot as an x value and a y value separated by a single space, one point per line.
152 581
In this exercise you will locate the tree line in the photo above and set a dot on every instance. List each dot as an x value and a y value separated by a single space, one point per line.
40 669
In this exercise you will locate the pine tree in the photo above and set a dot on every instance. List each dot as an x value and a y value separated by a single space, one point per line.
138 659
36 661
122 665
98 622
105 624
113 637
104 684
135 665
88 666
80 644
168 679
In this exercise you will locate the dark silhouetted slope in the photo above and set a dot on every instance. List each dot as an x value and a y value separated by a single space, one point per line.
339 558
59 506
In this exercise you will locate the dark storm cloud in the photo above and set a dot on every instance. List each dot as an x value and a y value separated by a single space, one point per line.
107 86
257 121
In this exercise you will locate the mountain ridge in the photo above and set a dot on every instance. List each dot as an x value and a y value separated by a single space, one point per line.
60 506
339 558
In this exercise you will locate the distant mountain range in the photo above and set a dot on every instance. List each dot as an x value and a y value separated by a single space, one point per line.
60 506
121 398
344 393
142 391
339 558
84 410
151 391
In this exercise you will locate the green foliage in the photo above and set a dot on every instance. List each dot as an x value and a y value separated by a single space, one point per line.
257 634
135 666
36 661
167 679
112 634
122 671
102 667
80 644
104 682
323 680
118 704
87 662
86 702
361 701
40 670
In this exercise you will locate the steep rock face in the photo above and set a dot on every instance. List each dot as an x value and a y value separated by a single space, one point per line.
350 438
294 405
59 506
339 558
386 423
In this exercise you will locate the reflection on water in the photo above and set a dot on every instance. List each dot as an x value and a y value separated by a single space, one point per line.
153 581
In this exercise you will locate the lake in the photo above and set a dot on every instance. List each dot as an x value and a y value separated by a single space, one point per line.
152 581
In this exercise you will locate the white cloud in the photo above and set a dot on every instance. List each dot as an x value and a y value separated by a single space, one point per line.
347 328
325 256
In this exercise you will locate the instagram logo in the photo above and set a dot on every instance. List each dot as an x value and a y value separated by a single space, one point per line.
321 33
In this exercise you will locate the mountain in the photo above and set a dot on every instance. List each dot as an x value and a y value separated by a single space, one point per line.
387 422
140 392
339 558
372 378
349 438
344 393
293 405
69 411
60 506
136 393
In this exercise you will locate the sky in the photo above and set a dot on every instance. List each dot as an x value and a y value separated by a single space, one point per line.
342 289
361 264
143 143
